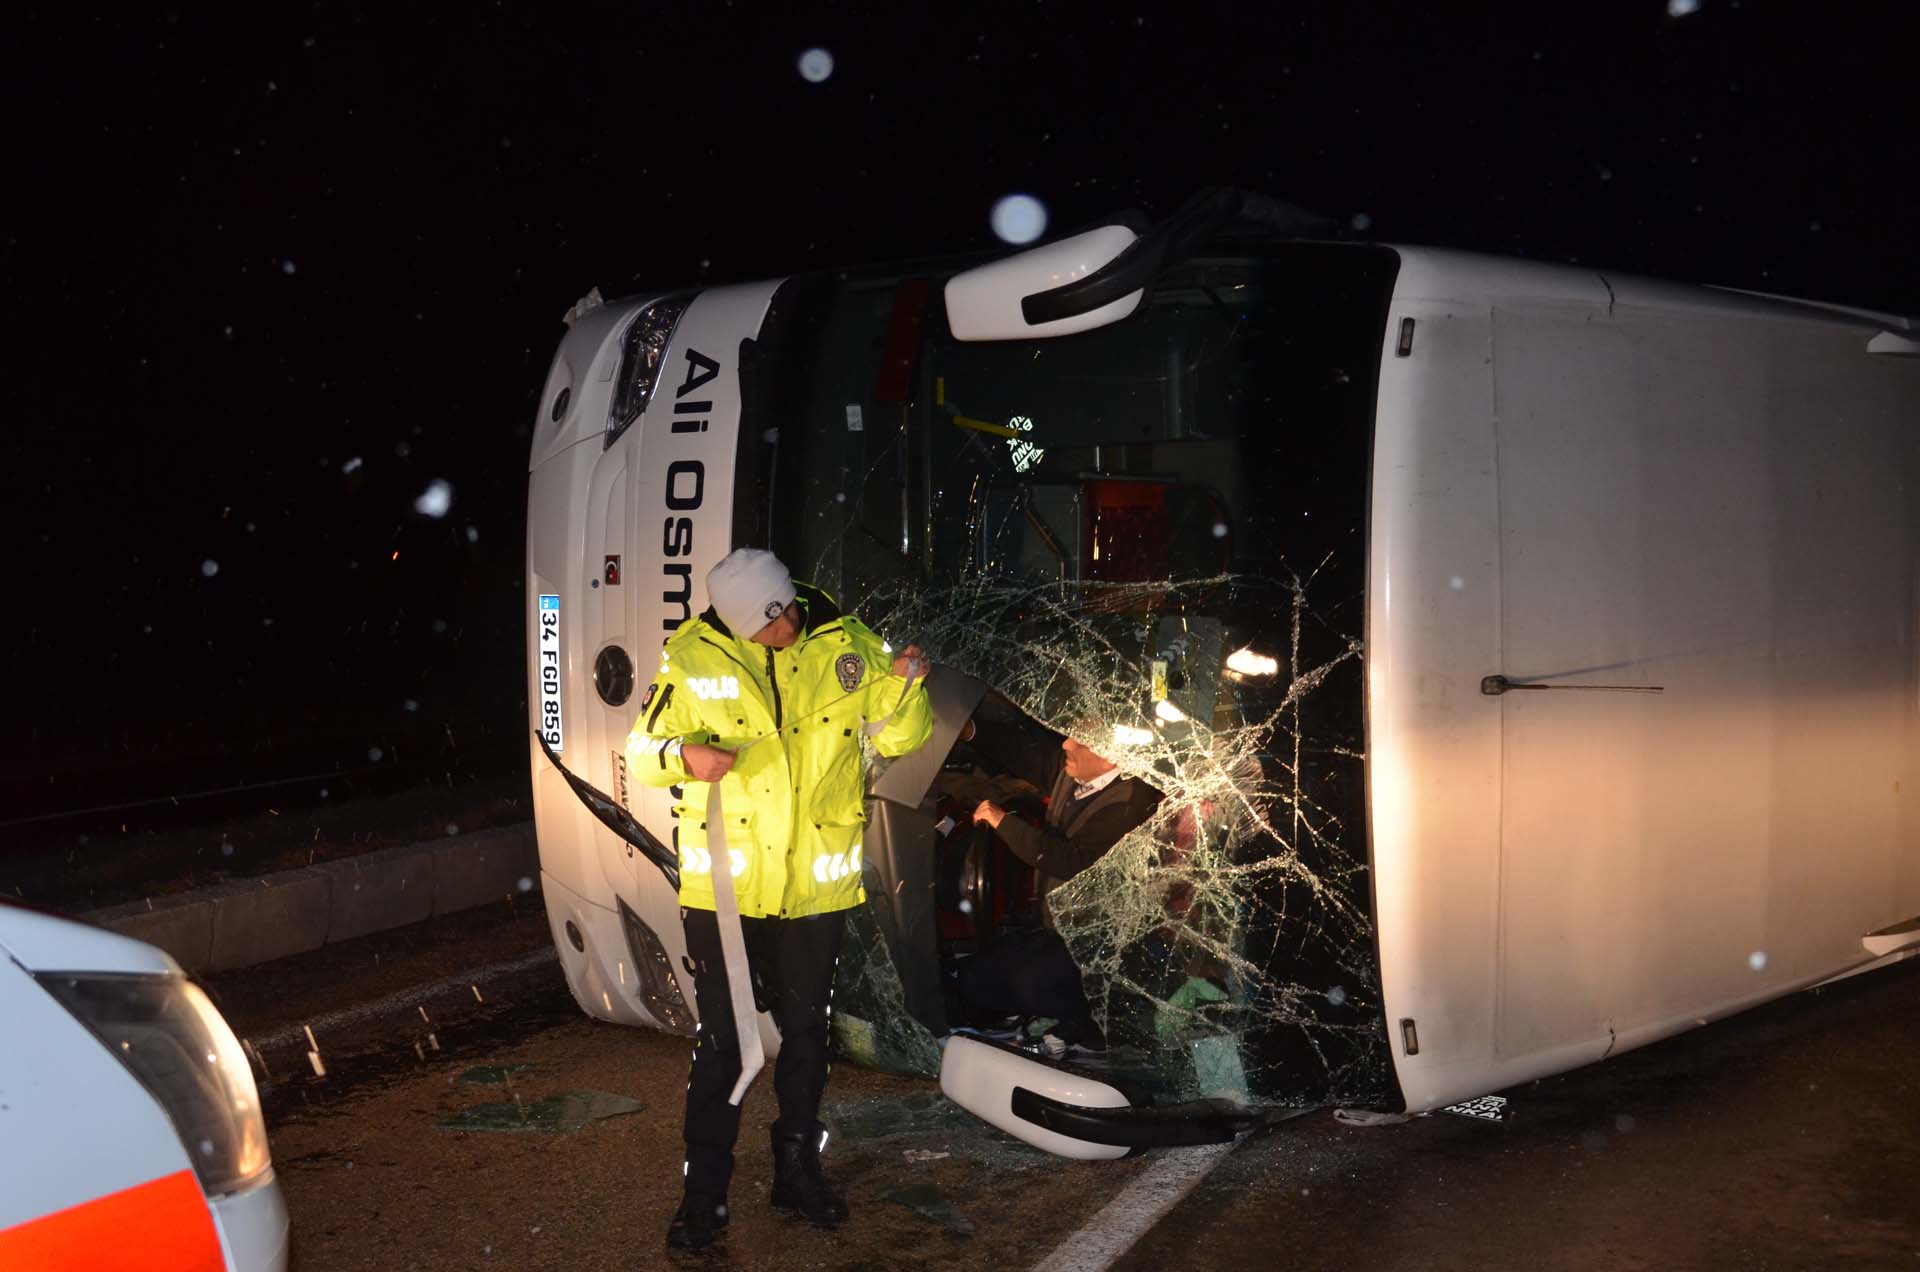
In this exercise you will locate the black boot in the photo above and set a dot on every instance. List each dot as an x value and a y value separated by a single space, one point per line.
798 1184
698 1223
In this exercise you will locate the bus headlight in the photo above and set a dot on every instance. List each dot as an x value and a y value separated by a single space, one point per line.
174 1041
641 352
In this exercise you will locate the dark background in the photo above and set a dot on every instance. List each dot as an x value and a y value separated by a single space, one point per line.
246 247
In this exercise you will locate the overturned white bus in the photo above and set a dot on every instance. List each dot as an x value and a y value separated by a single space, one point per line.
1526 653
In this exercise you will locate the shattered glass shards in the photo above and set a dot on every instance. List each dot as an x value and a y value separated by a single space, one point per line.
871 1024
491 1074
1211 936
930 1204
553 1115
874 1118
930 1125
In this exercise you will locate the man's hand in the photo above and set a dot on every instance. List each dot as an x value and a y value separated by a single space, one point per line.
706 763
990 813
910 662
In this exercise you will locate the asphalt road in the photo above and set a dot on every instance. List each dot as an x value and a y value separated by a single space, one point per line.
1784 1138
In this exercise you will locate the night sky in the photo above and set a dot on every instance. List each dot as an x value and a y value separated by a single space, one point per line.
273 271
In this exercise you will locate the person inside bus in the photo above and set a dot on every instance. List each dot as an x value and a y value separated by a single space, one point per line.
1027 969
765 697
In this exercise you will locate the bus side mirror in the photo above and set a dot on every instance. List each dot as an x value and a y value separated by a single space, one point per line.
985 303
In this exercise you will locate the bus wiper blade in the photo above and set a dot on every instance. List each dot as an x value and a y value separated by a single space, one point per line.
1494 686
619 820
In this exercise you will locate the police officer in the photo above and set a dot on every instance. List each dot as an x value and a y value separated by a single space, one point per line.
767 694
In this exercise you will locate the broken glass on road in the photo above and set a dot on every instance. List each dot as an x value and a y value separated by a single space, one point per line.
551 1115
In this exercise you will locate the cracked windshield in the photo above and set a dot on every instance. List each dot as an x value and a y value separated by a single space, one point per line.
1149 538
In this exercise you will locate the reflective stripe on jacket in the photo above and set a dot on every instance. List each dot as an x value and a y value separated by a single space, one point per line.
795 799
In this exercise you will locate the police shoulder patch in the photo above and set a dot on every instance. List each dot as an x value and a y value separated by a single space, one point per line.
646 699
849 667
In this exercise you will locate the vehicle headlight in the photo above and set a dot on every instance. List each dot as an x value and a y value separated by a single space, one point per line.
175 1042
641 353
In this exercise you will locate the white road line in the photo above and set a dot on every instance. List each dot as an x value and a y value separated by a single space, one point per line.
1134 1211
406 998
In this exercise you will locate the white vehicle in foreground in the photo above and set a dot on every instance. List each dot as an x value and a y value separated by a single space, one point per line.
1529 653
130 1128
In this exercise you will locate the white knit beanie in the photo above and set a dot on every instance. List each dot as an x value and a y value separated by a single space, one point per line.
749 589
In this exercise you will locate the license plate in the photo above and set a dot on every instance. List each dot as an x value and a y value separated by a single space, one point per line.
550 670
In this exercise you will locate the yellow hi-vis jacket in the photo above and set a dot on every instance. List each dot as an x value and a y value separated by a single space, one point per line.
795 799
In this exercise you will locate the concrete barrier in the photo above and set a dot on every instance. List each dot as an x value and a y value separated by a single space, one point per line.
182 925
380 890
247 921
485 866
270 916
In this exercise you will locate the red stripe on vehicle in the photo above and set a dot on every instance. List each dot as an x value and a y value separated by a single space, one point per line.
163 1224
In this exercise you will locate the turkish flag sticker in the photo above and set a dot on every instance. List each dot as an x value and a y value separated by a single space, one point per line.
611 573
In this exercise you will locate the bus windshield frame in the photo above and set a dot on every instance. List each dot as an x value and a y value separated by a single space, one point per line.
1173 511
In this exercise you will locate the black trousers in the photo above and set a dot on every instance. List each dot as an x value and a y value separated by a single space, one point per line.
793 963
1025 972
